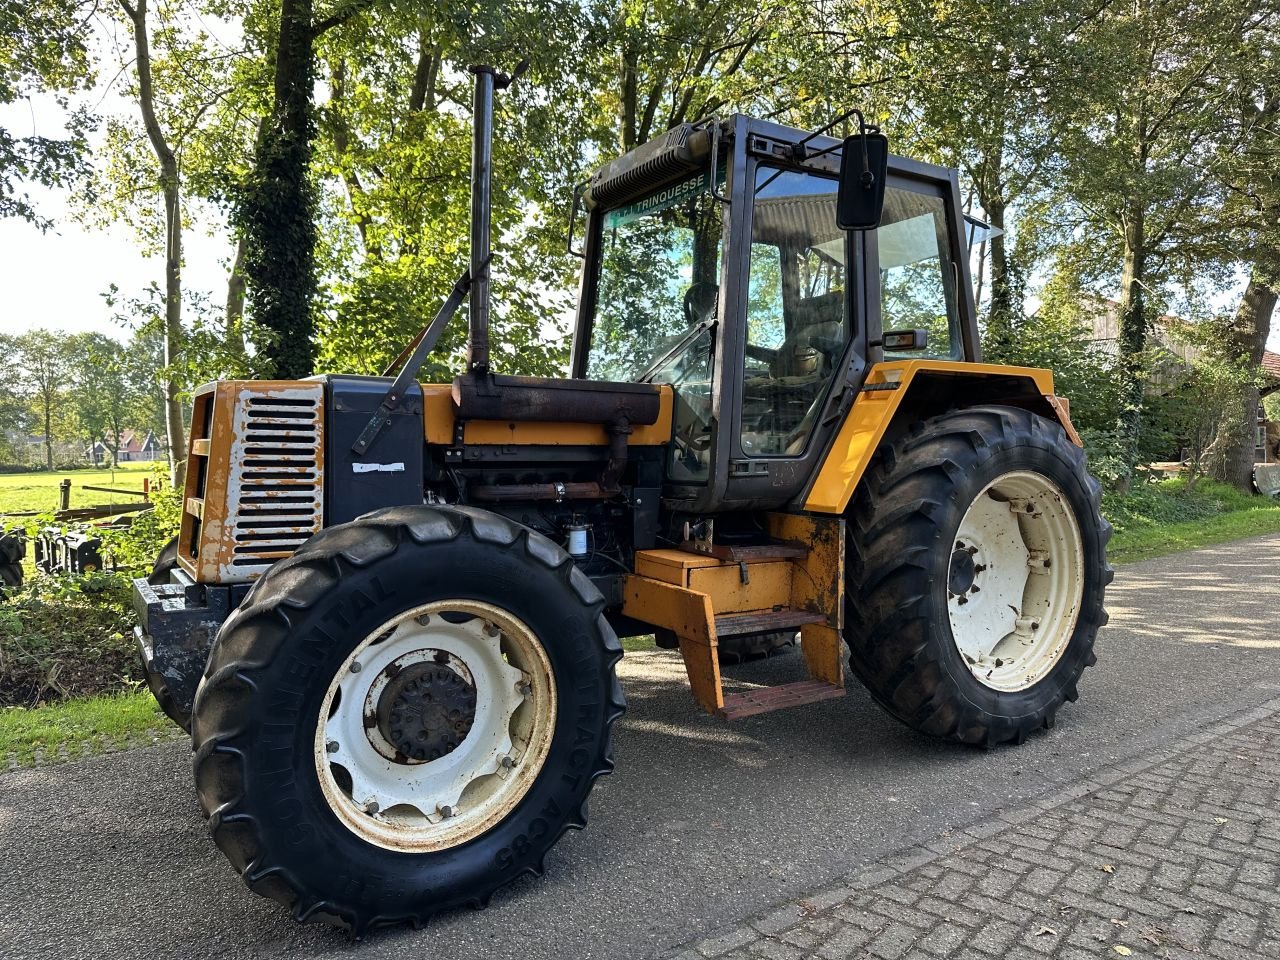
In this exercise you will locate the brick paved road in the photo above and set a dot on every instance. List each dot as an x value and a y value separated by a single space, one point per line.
1172 856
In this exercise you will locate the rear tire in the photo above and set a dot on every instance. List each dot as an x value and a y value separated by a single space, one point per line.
992 496
274 728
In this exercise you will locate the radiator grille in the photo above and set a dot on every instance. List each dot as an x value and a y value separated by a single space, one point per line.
275 486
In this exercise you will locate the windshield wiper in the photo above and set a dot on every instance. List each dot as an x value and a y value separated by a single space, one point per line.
691 335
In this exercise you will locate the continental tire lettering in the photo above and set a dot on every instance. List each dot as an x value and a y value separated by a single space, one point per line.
336 617
284 702
361 602
538 828
321 639
298 668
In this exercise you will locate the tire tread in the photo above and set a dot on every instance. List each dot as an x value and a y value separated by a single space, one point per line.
292 586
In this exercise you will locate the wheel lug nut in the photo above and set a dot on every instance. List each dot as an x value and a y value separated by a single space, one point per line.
445 810
332 746
371 806
524 687
507 763
355 667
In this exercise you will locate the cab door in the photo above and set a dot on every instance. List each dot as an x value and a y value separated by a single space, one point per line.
803 352
817 303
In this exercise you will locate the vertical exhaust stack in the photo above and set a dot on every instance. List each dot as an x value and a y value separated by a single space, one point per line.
488 80
481 203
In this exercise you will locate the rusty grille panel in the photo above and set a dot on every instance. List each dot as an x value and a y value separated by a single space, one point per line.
263 496
276 492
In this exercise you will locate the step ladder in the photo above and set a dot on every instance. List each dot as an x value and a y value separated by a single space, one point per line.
793 581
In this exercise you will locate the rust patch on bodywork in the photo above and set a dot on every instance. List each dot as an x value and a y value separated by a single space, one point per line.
1062 407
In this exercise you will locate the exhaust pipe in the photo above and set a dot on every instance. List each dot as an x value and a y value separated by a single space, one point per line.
487 81
481 204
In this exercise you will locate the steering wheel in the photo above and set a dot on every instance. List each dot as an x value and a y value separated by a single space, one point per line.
700 301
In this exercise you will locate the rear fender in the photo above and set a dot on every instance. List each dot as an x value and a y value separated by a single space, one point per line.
897 394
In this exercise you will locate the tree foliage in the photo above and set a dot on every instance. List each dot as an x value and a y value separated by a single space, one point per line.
1128 152
43 50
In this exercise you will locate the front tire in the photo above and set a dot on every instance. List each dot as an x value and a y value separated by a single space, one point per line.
166 562
987 498
405 716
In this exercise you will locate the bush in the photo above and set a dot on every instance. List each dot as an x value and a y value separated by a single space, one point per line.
1176 501
134 548
66 637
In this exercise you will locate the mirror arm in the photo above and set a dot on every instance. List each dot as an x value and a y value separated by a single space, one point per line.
573 216
715 162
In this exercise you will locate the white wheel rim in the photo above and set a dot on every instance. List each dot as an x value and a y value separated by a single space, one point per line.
420 804
1013 603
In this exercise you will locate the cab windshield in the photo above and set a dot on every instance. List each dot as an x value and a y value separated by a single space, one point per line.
657 296
658 279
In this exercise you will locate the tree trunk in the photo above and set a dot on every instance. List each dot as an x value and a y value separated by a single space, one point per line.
1248 335
627 96
422 96
48 432
276 209
235 304
170 184
1000 316
173 424
341 145
1133 335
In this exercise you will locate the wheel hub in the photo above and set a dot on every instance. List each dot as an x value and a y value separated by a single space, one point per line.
425 711
963 570
1014 581
436 725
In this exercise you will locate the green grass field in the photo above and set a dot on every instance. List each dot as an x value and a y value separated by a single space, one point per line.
1147 542
22 492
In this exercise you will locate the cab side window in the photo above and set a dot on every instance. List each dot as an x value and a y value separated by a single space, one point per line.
917 273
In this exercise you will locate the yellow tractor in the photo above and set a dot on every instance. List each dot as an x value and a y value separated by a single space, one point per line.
391 622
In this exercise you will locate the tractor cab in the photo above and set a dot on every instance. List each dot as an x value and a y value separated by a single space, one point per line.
714 262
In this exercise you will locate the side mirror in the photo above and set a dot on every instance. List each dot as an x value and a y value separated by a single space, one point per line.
864 165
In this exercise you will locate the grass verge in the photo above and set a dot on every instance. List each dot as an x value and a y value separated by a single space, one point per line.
78 728
1158 519
1147 543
